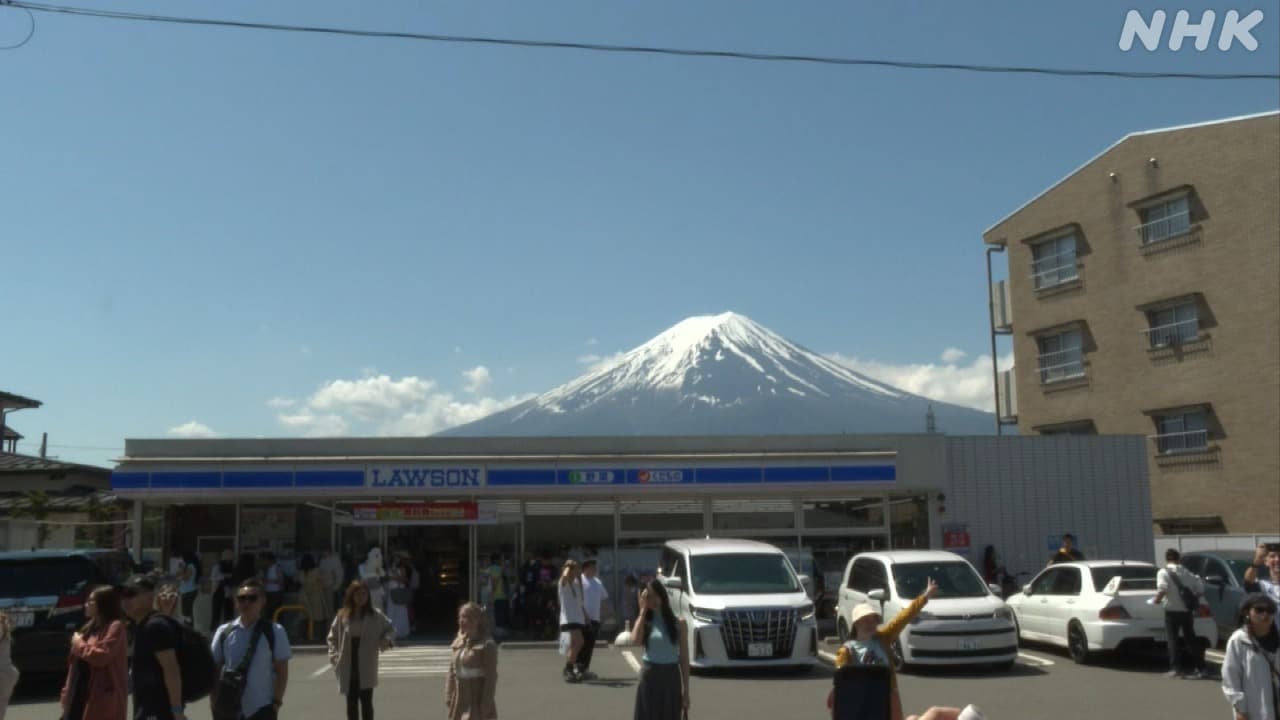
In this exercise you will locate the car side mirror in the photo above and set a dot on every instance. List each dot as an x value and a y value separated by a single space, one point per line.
673 583
1026 589
877 595
995 589
807 583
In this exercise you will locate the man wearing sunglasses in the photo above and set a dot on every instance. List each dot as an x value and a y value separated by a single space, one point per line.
267 674
157 678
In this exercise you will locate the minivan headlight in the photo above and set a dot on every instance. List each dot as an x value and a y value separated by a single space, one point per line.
807 611
1004 613
705 614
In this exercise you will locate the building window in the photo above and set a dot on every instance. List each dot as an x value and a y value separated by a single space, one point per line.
1053 261
1173 325
1164 220
1079 427
1182 432
1061 356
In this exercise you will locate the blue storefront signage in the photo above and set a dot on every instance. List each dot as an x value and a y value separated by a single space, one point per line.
382 478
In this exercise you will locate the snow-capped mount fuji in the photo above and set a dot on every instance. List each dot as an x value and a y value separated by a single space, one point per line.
724 375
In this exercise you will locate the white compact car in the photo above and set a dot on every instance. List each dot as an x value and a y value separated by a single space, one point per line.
743 602
1097 606
965 623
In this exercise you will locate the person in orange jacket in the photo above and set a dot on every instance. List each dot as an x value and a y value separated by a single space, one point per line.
871 643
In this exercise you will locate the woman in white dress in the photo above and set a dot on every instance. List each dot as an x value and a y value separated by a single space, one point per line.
399 598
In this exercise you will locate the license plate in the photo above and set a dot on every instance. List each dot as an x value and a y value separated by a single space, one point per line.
760 650
968 644
22 619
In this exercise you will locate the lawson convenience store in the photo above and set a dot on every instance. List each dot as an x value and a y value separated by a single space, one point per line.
452 503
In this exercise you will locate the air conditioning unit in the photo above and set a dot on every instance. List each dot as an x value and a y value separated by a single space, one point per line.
1001 309
1007 396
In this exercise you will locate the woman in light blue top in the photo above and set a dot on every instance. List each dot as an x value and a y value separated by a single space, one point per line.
663 690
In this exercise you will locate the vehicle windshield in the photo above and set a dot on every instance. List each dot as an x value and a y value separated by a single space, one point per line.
742 574
1131 577
955 579
42 578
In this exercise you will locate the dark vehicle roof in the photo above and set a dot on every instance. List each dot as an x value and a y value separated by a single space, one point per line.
55 554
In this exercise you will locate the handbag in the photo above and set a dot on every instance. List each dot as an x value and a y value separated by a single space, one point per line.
228 692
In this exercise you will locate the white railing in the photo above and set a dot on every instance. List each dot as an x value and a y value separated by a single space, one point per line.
1166 227
1173 333
1061 365
1057 273
1181 442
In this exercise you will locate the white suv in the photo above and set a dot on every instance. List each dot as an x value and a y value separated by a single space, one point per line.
743 602
965 623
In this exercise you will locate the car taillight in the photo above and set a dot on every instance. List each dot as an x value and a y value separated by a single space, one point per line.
1113 613
67 604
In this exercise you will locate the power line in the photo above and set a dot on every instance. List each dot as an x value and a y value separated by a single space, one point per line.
31 31
633 49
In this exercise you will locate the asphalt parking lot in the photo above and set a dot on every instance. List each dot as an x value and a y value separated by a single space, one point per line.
1044 685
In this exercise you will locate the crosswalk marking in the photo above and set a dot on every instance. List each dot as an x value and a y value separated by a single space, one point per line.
412 661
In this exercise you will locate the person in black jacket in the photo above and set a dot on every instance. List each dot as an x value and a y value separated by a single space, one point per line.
1068 551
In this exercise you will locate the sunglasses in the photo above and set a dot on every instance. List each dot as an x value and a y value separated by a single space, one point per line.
1263 610
246 598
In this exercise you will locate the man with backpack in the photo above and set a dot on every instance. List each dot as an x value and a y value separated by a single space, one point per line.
252 655
156 676
1181 592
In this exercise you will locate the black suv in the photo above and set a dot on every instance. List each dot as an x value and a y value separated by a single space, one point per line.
43 592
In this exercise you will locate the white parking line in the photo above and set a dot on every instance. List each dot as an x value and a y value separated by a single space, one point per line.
1214 655
412 661
631 660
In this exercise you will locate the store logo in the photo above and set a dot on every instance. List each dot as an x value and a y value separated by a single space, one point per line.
654 477
591 477
424 477
1234 28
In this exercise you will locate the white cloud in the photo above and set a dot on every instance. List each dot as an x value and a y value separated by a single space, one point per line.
192 429
596 362
952 382
381 405
280 403
478 379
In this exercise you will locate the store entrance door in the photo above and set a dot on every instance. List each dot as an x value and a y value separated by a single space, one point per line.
440 554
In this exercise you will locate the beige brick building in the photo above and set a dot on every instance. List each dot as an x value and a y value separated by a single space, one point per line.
1144 297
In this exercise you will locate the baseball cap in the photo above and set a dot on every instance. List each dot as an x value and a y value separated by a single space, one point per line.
139 583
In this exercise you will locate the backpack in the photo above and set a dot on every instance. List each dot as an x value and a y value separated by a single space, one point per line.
195 662
1189 599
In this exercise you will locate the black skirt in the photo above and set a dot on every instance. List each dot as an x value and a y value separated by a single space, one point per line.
659 694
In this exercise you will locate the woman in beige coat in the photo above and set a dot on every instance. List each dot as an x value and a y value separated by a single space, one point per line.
470 689
359 632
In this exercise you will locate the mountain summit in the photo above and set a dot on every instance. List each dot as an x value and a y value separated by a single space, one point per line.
723 375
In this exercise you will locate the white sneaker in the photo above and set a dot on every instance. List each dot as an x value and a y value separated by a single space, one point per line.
971 712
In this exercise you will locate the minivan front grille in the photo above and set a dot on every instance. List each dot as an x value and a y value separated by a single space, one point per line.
755 626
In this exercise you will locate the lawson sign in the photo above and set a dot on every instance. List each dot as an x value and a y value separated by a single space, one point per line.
411 477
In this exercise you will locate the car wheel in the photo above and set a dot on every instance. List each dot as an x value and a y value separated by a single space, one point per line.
842 630
896 658
1078 644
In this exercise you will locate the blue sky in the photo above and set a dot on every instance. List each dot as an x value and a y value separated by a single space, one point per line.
197 221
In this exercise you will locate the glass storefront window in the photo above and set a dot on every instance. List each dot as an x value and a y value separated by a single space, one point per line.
660 516
909 522
857 513
746 514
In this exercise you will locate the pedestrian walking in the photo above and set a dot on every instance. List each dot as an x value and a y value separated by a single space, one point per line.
273 582
573 618
189 585
472 684
221 585
399 598
252 654
1251 663
154 673
593 596
663 690
359 632
630 602
871 644
316 599
334 576
97 683
8 672
1181 592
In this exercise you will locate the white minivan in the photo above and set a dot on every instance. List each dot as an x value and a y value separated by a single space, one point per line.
965 623
744 603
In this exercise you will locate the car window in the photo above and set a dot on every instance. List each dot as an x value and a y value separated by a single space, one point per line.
1237 568
1132 577
955 579
1043 584
859 577
668 561
879 577
44 577
1194 563
1214 567
1067 582
680 570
